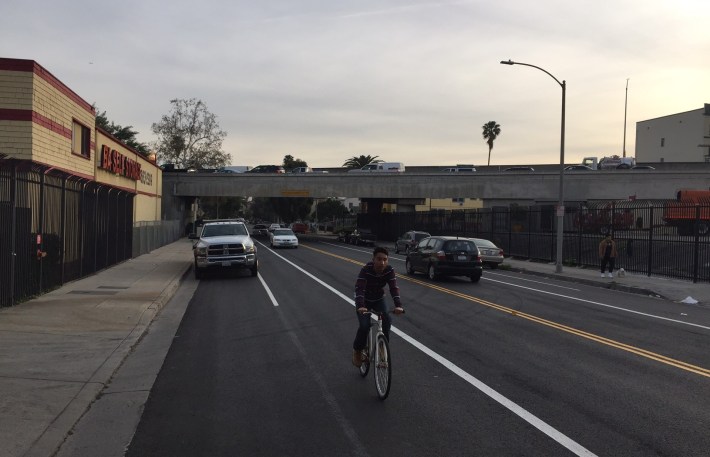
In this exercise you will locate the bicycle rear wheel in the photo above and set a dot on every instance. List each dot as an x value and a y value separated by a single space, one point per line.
383 367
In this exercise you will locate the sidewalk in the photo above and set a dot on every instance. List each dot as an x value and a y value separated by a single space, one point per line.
58 351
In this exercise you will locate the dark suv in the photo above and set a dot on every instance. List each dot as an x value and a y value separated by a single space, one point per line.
408 240
445 256
267 169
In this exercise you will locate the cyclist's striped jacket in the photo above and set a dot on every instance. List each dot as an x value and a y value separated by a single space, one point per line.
370 286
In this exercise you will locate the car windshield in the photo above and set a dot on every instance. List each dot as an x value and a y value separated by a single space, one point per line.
283 232
223 230
459 245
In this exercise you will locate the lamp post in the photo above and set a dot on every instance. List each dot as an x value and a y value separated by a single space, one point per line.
561 203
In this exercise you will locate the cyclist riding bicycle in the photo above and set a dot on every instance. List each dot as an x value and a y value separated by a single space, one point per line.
370 296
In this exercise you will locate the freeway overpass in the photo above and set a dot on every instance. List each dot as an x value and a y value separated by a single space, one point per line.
493 187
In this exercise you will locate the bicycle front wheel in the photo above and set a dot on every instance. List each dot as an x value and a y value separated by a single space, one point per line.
383 367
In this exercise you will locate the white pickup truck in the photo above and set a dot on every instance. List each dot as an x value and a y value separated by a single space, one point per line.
224 244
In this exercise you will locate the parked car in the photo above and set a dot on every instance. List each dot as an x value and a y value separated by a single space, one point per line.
224 244
445 256
362 237
267 169
260 230
299 227
283 238
408 240
491 255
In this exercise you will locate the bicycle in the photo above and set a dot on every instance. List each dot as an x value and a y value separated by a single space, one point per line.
378 349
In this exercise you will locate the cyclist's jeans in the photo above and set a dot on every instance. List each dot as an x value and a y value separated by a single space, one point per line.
365 322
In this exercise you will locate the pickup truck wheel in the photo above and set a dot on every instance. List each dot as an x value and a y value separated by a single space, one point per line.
254 271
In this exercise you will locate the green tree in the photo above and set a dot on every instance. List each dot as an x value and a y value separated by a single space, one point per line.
190 136
125 134
290 163
359 162
331 209
491 130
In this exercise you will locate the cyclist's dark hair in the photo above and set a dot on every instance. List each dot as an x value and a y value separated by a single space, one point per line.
381 249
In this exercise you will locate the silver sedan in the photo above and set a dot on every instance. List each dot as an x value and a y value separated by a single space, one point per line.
491 255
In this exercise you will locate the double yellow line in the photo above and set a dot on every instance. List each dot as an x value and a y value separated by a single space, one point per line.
571 330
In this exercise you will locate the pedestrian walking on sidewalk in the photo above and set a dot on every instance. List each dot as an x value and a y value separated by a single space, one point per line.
607 254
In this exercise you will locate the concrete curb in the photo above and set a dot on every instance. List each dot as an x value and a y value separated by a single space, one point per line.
589 282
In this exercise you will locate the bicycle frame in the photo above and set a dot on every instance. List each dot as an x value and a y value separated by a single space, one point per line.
377 352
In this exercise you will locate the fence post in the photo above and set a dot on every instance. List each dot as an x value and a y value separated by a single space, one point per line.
650 242
40 229
13 232
696 244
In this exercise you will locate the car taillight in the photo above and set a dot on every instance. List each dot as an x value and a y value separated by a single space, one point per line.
441 255
500 253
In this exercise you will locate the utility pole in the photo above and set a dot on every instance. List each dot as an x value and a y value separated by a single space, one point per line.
626 101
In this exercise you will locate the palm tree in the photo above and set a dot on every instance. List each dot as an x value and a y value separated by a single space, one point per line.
491 130
359 162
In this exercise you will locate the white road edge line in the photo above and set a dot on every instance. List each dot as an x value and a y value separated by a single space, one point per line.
604 305
268 291
528 417
653 316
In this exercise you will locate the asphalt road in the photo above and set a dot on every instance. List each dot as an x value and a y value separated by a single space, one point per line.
513 365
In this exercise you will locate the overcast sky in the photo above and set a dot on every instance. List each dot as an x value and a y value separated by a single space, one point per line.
406 80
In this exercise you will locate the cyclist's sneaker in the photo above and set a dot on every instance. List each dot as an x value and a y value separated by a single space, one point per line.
357 358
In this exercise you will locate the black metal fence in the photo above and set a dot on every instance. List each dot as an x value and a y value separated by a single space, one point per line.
647 240
56 228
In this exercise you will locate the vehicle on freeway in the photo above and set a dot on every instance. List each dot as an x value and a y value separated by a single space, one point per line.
609 162
460 169
491 255
260 230
408 240
299 227
578 168
283 238
267 169
381 167
274 226
302 170
519 169
438 256
224 244
643 167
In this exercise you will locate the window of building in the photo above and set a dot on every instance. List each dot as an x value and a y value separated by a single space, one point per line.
81 140
663 142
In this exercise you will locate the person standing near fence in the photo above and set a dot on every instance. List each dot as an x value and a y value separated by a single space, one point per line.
607 254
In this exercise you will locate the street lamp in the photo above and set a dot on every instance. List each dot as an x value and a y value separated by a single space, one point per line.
561 203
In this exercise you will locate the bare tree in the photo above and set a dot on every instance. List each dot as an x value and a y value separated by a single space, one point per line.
190 137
